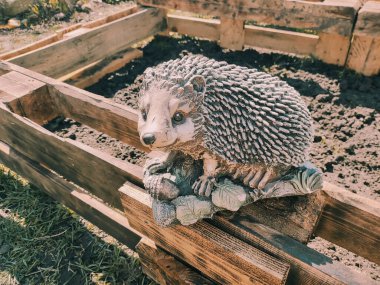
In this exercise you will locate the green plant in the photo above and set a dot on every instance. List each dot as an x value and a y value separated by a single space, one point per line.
46 9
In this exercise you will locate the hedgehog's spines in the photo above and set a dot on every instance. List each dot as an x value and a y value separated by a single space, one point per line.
250 115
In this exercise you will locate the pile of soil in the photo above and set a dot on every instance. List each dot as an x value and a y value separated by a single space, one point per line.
344 106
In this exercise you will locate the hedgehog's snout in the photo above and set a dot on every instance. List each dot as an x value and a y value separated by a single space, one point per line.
149 139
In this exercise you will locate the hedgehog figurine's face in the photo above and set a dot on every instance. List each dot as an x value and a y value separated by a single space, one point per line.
170 115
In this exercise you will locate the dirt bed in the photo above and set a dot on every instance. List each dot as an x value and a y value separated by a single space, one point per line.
344 107
17 38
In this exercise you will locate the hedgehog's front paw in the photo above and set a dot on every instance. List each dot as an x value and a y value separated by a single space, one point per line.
162 186
204 185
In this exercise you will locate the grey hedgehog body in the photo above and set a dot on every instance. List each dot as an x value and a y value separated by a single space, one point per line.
242 115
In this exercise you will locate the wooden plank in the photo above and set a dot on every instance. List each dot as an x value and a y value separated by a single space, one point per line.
216 254
116 120
364 56
18 85
65 56
295 216
275 39
231 33
92 73
196 27
58 35
352 222
332 48
330 16
307 265
285 41
70 195
33 46
110 18
92 169
165 269
18 90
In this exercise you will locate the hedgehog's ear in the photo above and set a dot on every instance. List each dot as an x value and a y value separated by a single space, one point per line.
199 83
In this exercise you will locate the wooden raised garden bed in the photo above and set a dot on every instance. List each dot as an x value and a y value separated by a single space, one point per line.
258 245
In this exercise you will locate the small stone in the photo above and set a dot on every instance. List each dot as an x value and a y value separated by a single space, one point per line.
329 167
59 16
332 247
14 23
339 158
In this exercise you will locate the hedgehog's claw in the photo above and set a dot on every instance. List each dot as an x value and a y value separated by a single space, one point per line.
204 186
263 182
256 179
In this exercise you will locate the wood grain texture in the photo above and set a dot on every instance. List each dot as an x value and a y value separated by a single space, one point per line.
114 119
196 27
232 33
219 256
331 16
307 265
92 73
285 41
27 96
332 48
296 216
364 56
61 32
67 193
94 170
352 222
65 56
165 269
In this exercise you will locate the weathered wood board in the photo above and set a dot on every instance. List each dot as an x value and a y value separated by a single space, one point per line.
307 265
88 46
364 56
196 27
166 269
331 16
285 41
232 33
351 221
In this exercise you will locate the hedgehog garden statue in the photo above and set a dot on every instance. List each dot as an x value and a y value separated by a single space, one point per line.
221 136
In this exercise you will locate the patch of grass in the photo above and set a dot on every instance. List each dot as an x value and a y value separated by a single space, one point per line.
47 9
41 242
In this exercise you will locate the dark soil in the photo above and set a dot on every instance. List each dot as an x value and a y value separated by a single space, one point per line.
344 105
68 128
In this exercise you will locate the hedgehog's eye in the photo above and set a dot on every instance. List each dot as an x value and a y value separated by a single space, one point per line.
143 115
178 118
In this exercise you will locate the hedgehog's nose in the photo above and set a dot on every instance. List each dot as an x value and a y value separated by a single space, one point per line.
149 139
